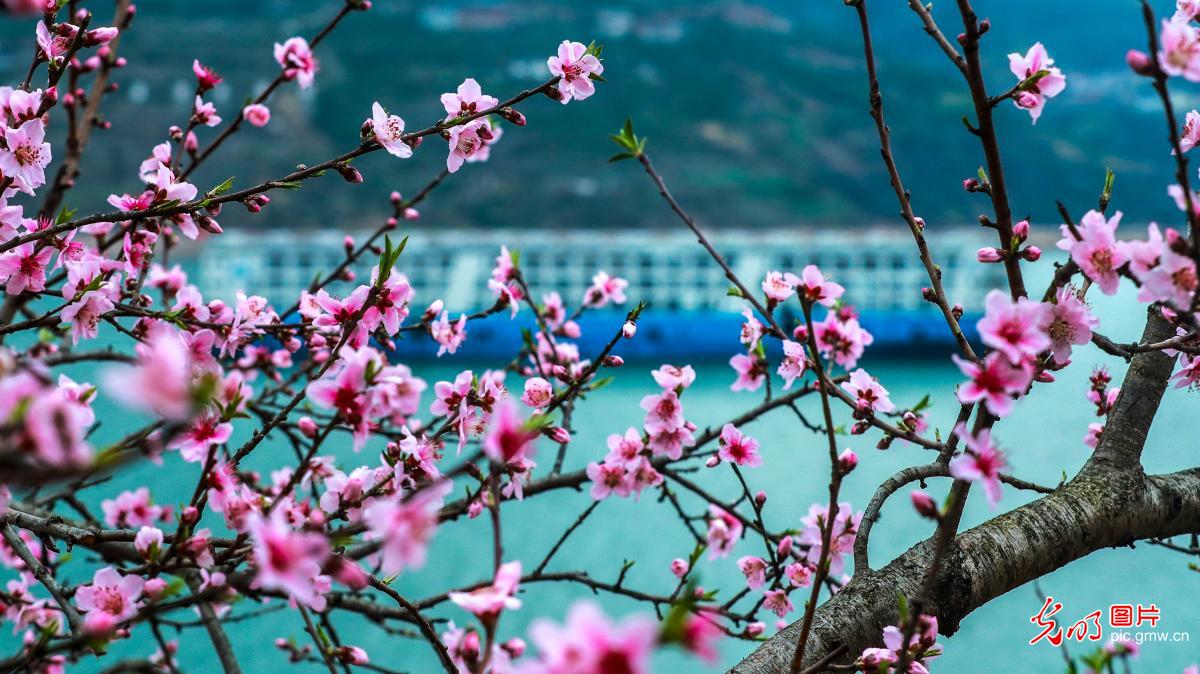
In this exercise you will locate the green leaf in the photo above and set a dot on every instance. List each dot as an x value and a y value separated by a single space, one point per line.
222 188
902 601
64 215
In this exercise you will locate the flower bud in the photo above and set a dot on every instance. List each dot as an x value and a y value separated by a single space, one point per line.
713 461
190 515
847 462
924 505
307 426
760 498
629 330
800 333
613 361
155 588
1139 62
560 435
988 255
513 116
971 185
1032 253
755 629
351 655
679 567
1021 229
349 173
514 646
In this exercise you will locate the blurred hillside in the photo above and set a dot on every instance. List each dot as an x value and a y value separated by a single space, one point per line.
756 112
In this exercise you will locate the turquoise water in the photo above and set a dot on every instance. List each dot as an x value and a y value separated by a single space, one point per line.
1043 439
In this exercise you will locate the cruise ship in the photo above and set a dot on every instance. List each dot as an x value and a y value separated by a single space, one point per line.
689 314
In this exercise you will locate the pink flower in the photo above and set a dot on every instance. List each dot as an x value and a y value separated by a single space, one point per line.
286 559
724 530
110 598
1098 253
405 527
538 392
25 268
160 381
981 462
1018 330
1172 280
257 114
389 132
574 67
995 382
53 46
799 574
469 100
870 394
206 78
672 377
777 602
794 363
591 643
205 432
701 632
608 479
1179 52
738 448
845 530
131 509
466 142
297 61
508 441
1033 95
27 155
1191 132
755 571
84 315
750 372
449 336
815 288
605 289
1092 437
1071 324
625 449
841 338
488 601
777 287
752 330
663 412
205 113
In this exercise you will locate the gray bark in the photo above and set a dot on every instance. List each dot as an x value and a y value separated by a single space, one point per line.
1110 503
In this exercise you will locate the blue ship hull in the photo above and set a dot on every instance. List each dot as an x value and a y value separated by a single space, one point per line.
682 336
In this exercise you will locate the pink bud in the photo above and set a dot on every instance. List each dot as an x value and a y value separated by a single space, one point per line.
560 435
571 329
847 461
800 333
924 505
351 655
919 222
613 361
1139 62
1021 229
514 646
1045 377
1032 253
155 588
988 255
190 515
970 185
760 498
679 567
307 426
629 330
257 114
755 629
713 461
785 546
348 243
411 214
